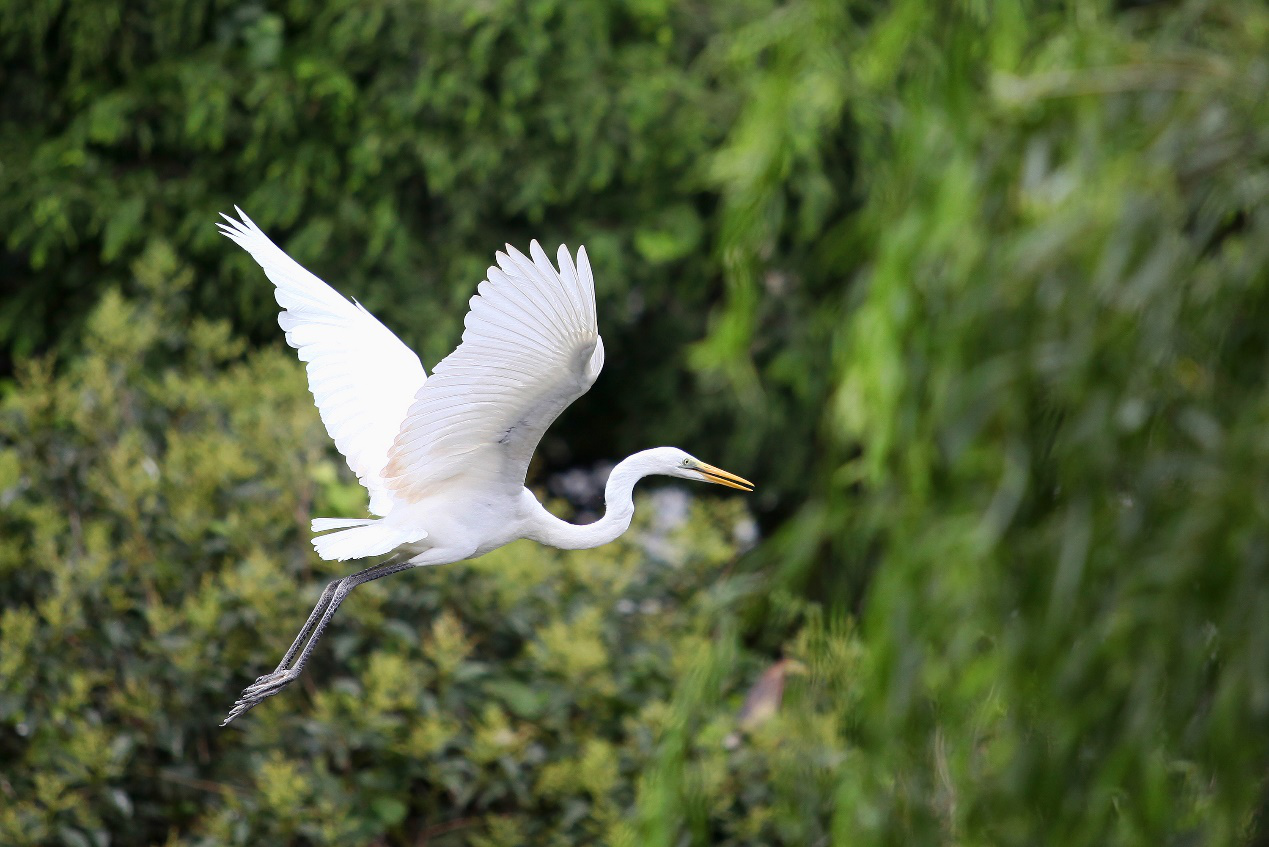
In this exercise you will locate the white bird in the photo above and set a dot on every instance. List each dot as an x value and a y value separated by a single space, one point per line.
444 457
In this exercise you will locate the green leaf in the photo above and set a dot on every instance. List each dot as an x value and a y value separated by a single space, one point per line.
389 810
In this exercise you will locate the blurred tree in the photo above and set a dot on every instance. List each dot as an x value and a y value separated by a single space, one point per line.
1045 447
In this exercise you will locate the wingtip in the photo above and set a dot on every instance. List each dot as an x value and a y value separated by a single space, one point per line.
242 224
539 255
564 257
245 221
517 255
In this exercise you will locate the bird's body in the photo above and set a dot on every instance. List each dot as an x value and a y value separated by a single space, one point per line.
444 457
465 521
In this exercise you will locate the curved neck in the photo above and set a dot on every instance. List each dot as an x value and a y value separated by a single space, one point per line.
618 510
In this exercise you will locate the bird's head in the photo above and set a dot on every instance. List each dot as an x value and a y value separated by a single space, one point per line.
671 461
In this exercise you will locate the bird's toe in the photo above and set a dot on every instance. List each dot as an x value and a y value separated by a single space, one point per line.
269 684
263 688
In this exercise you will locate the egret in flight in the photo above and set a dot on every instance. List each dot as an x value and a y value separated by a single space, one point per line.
444 457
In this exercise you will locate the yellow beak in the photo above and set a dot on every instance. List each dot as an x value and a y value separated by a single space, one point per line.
722 477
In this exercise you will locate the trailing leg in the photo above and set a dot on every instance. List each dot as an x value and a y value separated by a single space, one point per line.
270 684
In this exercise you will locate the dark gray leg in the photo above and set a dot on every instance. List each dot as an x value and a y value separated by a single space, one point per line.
307 629
270 684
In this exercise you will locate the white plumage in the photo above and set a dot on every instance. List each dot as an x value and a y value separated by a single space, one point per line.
444 458
362 377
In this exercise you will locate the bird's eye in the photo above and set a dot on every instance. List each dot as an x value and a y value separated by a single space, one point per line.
687 462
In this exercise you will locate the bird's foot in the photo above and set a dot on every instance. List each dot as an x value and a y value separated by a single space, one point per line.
263 688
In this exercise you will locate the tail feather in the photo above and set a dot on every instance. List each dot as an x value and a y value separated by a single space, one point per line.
323 524
356 538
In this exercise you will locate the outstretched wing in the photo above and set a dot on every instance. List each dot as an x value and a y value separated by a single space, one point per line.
363 377
530 348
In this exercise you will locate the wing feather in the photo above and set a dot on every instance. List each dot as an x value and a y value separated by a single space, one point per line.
363 378
530 347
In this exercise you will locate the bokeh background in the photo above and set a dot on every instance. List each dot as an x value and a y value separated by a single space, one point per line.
975 291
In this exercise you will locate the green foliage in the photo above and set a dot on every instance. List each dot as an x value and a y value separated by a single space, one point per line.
154 558
1045 440
990 337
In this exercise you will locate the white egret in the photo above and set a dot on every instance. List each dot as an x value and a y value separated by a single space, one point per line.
444 457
